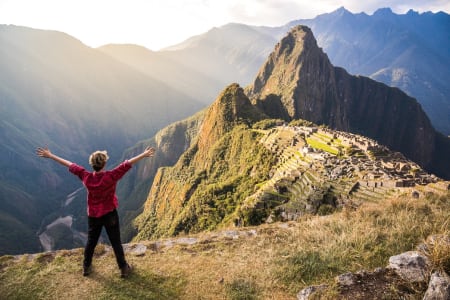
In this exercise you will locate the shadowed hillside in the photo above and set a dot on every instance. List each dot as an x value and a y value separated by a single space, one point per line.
55 91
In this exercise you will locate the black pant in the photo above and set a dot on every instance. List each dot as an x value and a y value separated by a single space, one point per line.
111 223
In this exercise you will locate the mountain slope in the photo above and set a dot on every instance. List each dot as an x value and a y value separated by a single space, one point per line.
226 54
55 91
178 76
241 170
299 80
210 180
170 143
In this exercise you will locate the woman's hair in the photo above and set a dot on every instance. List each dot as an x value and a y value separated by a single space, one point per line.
98 159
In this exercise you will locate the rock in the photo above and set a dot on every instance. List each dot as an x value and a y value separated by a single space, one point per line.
45 257
439 287
307 292
250 233
346 279
187 241
411 266
135 249
232 234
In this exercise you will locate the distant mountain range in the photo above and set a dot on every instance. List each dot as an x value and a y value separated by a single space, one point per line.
408 51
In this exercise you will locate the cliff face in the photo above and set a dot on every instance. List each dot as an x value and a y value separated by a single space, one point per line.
298 81
170 143
297 75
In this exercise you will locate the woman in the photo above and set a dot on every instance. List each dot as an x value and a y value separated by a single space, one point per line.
101 201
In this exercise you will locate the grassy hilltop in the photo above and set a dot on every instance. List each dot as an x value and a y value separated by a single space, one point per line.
270 261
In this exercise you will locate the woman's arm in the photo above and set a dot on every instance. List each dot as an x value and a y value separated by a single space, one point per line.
45 152
148 152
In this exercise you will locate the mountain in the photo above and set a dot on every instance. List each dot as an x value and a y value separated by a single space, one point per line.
48 78
190 80
408 51
203 187
202 65
242 169
229 53
58 92
299 80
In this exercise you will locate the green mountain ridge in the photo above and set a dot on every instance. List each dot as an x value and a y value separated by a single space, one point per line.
243 170
227 176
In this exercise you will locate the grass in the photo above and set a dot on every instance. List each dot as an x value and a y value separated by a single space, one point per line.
276 263
322 146
438 251
241 288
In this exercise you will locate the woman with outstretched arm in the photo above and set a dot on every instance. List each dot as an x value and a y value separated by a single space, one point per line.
102 201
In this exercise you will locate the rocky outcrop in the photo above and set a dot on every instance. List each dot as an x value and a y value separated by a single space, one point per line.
439 287
411 266
298 81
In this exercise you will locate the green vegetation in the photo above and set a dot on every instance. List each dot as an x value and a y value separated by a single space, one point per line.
301 122
15 236
237 163
268 123
322 146
241 289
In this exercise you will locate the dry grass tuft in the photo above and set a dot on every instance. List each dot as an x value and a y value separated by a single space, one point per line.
437 248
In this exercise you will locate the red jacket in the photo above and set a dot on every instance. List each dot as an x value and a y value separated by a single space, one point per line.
101 187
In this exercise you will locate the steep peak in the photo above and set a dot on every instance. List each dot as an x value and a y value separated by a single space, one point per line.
296 58
383 12
301 35
412 12
286 52
341 11
299 82
231 107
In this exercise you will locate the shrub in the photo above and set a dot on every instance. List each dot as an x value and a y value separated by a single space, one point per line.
301 122
437 248
325 209
267 123
241 289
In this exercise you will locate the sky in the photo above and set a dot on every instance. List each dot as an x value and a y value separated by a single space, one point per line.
156 24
